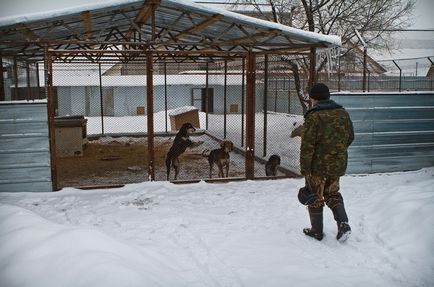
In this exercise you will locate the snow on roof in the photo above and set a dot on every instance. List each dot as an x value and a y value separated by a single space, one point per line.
182 110
59 12
188 5
33 101
290 31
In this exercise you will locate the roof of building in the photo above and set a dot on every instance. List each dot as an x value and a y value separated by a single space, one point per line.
430 72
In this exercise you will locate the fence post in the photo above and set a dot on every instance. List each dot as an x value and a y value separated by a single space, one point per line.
29 95
339 72
206 95
243 76
289 95
48 63
265 104
101 99
2 83
369 80
250 115
400 74
165 94
150 116
225 91
364 68
15 95
37 80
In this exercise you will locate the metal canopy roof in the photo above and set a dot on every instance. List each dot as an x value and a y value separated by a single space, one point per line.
154 25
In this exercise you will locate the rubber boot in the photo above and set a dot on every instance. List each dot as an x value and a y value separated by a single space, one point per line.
344 229
316 220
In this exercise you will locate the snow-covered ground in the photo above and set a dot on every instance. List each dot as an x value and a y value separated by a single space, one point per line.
231 234
223 234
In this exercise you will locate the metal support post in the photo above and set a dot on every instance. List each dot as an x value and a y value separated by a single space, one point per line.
150 112
243 76
101 99
48 62
265 106
225 99
2 83
250 115
400 74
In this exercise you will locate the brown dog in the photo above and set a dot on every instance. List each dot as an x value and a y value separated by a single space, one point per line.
180 144
272 165
220 157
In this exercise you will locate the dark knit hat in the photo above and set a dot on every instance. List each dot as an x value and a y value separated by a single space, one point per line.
319 92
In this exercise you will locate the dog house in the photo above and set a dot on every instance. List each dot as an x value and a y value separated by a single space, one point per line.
70 135
183 115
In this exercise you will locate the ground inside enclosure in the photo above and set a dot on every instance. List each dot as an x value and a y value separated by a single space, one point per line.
122 160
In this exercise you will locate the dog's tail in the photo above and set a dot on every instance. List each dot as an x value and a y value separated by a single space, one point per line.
206 152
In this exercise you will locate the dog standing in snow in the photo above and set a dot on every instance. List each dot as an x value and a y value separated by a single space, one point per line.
180 144
220 157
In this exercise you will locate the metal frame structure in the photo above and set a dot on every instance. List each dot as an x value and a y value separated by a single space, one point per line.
152 31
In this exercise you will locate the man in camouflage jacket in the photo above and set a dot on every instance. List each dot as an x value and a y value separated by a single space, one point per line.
326 135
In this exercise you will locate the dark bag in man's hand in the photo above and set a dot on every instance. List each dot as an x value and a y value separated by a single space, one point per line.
306 196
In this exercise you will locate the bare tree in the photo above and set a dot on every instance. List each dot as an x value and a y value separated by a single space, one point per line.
374 19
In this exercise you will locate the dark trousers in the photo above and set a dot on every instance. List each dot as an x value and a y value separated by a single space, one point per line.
327 190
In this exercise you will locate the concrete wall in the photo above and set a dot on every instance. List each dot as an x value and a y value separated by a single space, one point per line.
394 132
24 148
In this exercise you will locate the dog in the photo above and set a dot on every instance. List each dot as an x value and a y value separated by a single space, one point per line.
271 165
220 157
180 144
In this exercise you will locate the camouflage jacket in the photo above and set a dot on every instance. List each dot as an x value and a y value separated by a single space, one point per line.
327 133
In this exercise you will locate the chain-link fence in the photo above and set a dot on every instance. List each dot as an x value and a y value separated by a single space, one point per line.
415 74
21 81
111 98
103 105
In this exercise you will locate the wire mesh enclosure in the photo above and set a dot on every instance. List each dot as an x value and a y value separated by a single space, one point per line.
109 101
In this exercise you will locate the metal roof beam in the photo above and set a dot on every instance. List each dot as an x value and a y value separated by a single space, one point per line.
165 30
26 31
200 26
86 18
248 39
146 12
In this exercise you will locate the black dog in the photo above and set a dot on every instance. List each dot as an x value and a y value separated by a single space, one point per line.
220 157
271 165
180 144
